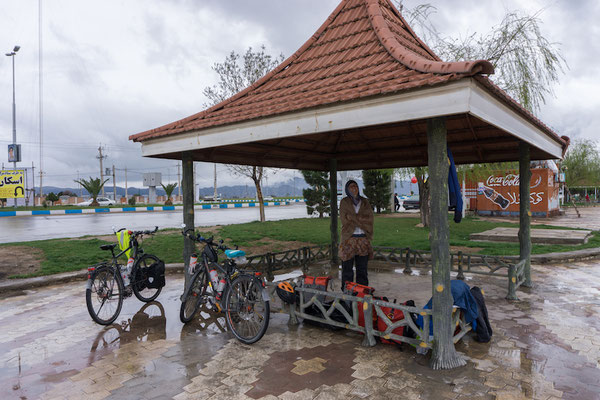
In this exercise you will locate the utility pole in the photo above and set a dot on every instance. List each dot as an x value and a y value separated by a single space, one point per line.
178 180
14 111
80 188
126 184
101 157
114 185
215 196
33 182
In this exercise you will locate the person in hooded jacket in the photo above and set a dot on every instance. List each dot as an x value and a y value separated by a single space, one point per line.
357 232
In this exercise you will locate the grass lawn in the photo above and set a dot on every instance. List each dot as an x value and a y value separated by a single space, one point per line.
61 255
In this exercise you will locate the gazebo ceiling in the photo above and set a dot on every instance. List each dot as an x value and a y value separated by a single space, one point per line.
360 91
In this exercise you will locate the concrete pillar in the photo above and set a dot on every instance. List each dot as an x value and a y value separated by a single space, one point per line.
444 354
334 212
525 210
187 184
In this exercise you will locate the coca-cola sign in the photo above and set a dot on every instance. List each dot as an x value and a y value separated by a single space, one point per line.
509 180
506 180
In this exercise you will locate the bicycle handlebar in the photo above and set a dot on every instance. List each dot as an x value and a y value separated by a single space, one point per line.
199 238
138 233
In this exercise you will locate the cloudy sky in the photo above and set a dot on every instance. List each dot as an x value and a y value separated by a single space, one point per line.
112 68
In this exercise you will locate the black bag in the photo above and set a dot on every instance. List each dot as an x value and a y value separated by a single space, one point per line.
336 315
156 275
483 330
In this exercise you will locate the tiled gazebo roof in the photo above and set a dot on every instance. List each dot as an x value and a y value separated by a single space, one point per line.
364 50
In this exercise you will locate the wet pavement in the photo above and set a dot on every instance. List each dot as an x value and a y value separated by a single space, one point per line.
546 346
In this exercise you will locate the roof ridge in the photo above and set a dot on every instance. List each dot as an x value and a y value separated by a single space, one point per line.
411 59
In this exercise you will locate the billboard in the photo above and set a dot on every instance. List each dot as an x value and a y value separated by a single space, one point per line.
500 192
12 184
14 153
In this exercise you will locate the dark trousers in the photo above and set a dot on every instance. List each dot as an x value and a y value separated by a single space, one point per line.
361 271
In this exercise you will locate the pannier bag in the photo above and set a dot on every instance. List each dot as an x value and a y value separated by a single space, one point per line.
395 315
318 283
358 290
156 275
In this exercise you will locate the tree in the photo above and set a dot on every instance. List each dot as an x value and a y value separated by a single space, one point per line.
169 191
317 196
582 163
378 187
93 187
51 197
235 74
526 65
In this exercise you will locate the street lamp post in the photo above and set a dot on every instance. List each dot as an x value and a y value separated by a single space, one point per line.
14 106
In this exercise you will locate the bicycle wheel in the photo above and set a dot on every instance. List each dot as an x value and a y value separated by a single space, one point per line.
194 296
139 279
246 310
104 295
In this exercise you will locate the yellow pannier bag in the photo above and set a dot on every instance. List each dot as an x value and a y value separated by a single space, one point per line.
123 238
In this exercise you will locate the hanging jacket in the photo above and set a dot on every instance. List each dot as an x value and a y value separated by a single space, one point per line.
463 299
454 193
483 329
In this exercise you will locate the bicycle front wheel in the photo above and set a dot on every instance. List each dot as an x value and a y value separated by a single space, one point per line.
139 279
247 309
104 295
194 296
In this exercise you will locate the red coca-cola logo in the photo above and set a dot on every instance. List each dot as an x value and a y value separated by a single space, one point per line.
507 180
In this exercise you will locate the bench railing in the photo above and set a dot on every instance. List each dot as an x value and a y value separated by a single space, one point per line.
479 264
309 297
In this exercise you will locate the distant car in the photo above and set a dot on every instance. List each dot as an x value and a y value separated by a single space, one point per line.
268 198
411 203
103 201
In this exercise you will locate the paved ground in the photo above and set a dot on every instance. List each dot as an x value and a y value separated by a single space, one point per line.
546 346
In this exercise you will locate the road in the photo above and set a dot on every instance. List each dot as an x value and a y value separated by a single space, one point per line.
18 229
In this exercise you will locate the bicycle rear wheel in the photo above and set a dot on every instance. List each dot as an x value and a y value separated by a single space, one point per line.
139 279
194 296
246 309
104 295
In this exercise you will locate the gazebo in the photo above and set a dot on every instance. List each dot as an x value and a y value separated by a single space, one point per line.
365 92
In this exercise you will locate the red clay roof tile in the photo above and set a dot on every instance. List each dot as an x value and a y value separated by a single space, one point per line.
363 49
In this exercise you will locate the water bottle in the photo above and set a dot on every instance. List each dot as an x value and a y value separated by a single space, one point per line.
214 277
193 262
220 288
127 271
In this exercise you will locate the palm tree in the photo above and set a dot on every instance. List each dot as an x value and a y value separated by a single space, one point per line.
169 191
93 187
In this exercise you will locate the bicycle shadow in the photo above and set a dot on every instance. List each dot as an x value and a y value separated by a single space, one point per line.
206 322
149 323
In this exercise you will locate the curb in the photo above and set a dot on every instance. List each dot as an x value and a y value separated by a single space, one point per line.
104 210
81 275
29 283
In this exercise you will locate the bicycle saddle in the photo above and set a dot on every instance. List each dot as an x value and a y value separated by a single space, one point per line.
234 253
108 246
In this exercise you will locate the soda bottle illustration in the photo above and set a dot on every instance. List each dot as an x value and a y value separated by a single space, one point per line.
495 197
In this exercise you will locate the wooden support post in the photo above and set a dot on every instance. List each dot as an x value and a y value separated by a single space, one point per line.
512 283
444 355
525 210
407 269
461 274
369 339
188 209
334 212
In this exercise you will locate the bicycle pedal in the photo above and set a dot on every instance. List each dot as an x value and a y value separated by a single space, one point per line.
128 292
